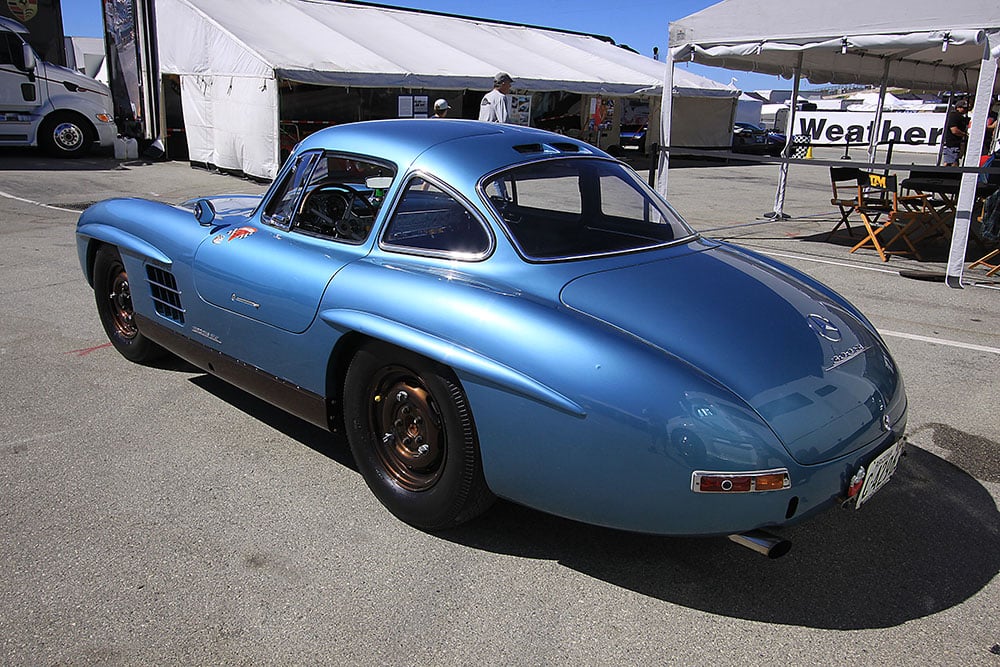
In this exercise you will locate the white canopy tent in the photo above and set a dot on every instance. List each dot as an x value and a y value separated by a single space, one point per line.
231 55
918 44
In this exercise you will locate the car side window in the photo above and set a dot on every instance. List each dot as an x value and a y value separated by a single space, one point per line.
429 219
342 198
286 197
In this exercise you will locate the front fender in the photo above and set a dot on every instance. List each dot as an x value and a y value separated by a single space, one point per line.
128 243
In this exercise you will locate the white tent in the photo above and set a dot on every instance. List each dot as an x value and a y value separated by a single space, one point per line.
231 55
918 44
748 109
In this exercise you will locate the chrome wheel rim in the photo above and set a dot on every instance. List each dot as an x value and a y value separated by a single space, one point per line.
67 136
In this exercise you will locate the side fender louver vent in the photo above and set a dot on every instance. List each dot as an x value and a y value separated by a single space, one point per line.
166 296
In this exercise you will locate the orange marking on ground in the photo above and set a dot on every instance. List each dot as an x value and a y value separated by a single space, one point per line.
87 350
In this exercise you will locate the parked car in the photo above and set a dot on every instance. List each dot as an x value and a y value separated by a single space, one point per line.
750 138
634 134
491 310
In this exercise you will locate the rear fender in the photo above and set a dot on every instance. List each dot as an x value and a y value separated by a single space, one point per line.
461 359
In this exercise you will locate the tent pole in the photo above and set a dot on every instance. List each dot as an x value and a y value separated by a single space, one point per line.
666 109
779 194
873 137
973 146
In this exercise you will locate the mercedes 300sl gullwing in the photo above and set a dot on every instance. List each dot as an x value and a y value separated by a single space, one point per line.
496 311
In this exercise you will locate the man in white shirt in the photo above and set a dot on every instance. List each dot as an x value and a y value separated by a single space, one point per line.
495 107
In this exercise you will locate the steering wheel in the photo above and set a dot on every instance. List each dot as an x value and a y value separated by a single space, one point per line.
341 212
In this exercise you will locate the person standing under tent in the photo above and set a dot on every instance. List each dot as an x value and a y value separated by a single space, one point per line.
441 108
956 131
495 107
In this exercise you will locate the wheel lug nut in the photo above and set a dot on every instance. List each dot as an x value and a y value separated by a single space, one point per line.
401 396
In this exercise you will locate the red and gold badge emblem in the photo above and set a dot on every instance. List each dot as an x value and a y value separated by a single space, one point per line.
23 10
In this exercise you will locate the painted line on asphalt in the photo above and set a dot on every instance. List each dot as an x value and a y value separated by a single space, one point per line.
848 265
967 281
897 334
941 341
36 203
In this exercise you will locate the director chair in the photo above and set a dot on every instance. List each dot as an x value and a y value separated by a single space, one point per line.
846 204
884 211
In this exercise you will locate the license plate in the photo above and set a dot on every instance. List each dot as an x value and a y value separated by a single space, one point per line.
878 473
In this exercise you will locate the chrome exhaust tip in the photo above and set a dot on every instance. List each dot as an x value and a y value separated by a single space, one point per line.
763 542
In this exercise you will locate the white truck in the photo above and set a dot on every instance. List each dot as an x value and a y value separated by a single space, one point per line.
41 104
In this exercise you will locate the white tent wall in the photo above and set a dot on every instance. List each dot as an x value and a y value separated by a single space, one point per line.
748 110
701 122
231 122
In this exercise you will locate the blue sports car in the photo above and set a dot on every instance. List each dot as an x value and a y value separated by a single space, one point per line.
490 310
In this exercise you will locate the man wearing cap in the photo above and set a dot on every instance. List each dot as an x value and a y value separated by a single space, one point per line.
956 129
441 108
495 107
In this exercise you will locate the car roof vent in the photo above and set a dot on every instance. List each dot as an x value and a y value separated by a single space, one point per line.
553 147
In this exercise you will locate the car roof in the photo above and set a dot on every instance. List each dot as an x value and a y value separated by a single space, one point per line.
480 146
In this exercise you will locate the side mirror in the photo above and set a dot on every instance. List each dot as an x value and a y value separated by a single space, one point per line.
30 62
204 212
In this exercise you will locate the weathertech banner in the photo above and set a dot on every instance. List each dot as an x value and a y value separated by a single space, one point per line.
918 132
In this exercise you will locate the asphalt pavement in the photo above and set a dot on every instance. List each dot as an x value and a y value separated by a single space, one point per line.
156 515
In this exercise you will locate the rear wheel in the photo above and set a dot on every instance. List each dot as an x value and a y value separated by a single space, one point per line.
413 437
65 135
114 306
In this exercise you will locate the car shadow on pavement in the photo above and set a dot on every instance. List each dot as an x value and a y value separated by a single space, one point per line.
928 541
330 445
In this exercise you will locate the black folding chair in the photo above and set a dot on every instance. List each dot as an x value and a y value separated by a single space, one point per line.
847 205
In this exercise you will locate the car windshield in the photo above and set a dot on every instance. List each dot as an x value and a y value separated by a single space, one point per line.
579 207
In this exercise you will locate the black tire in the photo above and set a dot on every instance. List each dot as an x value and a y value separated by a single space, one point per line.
114 307
66 135
413 437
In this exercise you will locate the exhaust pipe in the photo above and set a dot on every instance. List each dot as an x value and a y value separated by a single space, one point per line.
763 542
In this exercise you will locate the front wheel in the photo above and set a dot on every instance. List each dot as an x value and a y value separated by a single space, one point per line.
65 135
413 437
113 294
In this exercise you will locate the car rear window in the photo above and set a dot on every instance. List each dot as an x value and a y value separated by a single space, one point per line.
580 207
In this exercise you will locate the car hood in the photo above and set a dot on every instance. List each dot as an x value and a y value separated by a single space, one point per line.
814 372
